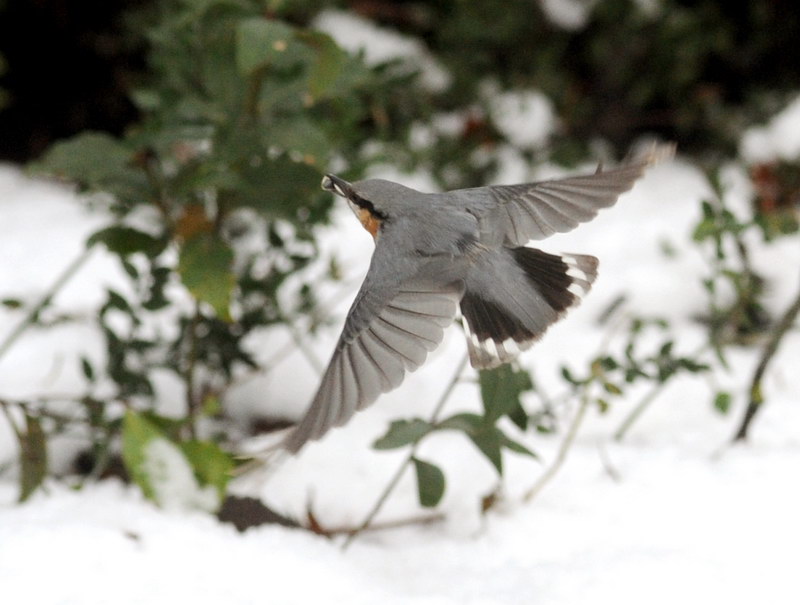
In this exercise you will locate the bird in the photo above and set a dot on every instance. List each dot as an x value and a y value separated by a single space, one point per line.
462 252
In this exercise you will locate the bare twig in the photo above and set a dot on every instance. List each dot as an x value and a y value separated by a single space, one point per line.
771 347
32 315
407 461
563 450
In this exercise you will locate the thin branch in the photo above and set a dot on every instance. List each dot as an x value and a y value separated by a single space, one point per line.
563 450
32 315
648 399
407 461
756 392
638 410
394 524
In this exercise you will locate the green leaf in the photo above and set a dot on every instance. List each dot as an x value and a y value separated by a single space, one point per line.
124 241
430 483
516 447
260 42
722 402
212 466
277 188
465 422
501 389
402 433
32 457
490 441
137 434
300 135
329 60
205 268
96 161
88 370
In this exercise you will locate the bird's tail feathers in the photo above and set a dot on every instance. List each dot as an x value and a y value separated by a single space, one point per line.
514 294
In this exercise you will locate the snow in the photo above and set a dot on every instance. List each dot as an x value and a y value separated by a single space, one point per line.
672 514
687 517
779 139
381 45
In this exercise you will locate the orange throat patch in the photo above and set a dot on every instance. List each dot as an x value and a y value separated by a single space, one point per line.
370 222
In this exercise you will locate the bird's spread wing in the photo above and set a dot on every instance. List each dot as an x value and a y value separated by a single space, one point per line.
392 326
537 210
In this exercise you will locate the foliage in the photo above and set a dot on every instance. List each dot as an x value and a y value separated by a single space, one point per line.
241 114
213 199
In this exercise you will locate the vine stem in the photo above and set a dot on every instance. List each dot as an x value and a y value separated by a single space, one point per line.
563 450
33 313
407 461
771 347
645 402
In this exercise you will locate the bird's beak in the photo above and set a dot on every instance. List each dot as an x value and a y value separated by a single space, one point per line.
334 184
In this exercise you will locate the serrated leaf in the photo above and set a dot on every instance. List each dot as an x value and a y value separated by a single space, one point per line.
212 466
32 457
501 389
205 267
430 483
124 241
402 433
260 42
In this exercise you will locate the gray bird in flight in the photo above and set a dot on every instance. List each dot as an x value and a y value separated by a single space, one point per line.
436 253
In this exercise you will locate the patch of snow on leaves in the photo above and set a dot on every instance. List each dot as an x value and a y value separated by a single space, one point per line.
779 139
173 481
380 44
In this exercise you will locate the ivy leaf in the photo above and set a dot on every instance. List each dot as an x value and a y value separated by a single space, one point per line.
430 483
205 269
32 457
402 433
500 391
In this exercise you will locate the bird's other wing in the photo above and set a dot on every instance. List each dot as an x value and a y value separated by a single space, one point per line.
398 317
520 213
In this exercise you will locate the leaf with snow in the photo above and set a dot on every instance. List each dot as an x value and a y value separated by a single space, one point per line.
160 468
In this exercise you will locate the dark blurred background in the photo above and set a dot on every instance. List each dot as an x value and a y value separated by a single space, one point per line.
692 71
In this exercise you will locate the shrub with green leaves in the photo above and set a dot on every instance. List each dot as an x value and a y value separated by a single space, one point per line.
212 197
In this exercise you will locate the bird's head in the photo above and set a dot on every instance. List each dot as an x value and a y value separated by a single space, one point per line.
366 199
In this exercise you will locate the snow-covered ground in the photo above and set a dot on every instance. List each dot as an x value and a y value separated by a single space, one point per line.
670 515
680 518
